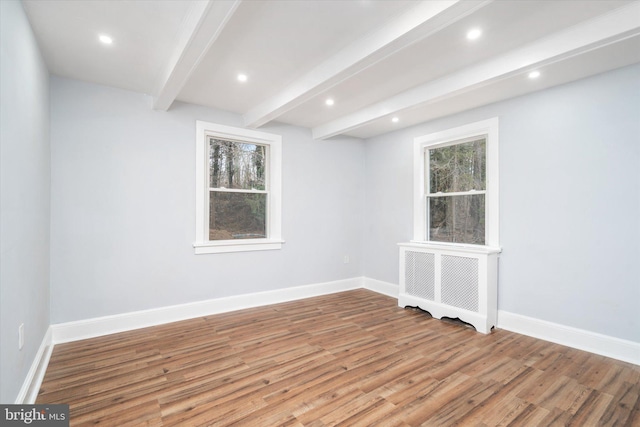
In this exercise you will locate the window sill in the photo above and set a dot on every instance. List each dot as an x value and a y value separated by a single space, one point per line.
457 247
225 246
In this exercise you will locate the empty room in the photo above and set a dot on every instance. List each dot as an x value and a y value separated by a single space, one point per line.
320 212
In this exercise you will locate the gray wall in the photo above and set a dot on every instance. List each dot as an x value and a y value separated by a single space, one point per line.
569 202
24 197
123 208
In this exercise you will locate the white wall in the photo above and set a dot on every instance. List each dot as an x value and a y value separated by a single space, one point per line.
123 201
24 197
569 202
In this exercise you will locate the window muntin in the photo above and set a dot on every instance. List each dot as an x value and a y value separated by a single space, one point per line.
238 189
456 182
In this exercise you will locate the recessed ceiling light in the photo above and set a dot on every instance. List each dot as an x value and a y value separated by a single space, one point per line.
395 120
329 102
105 39
242 77
474 33
534 74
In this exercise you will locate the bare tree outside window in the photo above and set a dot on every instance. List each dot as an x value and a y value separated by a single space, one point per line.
456 197
238 193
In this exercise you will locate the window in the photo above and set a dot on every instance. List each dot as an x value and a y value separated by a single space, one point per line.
455 192
237 190
456 185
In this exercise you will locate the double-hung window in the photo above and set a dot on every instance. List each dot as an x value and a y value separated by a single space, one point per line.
456 185
238 189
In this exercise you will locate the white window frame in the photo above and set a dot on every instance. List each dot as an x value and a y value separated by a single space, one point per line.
273 241
486 128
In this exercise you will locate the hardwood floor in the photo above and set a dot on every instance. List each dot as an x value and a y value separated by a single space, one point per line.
352 358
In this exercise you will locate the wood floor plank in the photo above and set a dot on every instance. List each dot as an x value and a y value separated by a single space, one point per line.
460 406
418 408
593 409
351 359
358 411
316 407
502 397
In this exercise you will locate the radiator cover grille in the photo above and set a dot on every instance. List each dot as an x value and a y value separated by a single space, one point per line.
460 282
420 273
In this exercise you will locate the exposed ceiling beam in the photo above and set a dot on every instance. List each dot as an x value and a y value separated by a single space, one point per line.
201 28
418 22
612 27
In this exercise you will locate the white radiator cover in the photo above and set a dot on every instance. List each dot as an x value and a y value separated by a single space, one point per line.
451 281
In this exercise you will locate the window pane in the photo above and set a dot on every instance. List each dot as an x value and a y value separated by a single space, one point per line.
460 167
458 219
237 215
236 165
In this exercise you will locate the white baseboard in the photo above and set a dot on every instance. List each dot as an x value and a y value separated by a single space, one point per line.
31 385
89 328
385 288
72 331
616 348
604 345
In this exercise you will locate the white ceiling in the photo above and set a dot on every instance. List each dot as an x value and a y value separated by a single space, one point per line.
377 59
